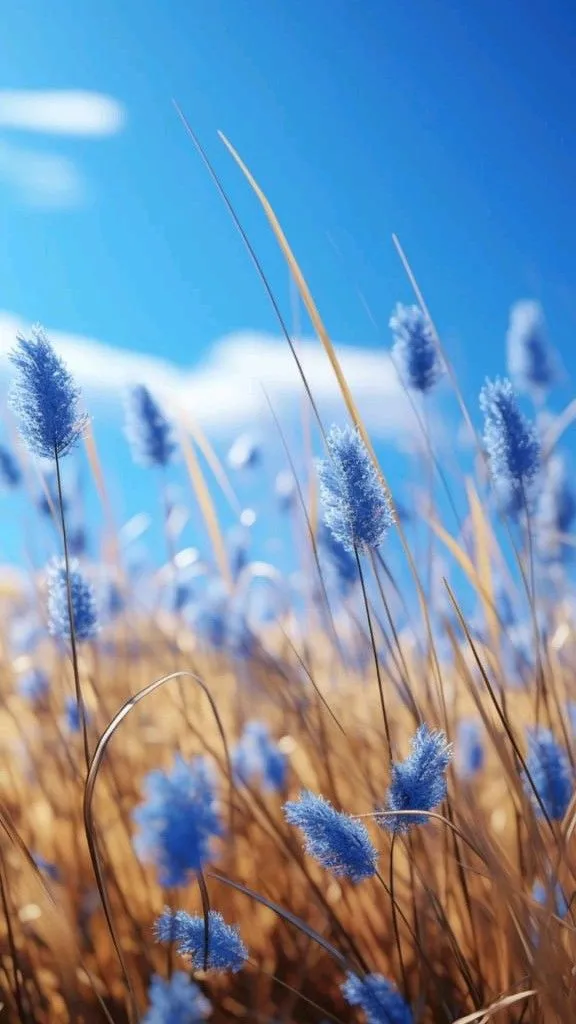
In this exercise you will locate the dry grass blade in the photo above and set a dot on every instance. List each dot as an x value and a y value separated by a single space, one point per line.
501 1004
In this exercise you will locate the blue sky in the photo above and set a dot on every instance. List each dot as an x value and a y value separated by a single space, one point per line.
448 123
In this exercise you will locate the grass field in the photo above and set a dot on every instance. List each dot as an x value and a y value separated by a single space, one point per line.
465 911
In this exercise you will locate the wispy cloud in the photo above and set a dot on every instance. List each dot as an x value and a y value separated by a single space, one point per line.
47 179
61 112
227 391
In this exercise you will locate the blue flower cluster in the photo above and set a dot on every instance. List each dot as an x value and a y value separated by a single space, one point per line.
257 756
338 842
414 352
419 782
549 768
357 509
177 1001
149 433
226 951
44 398
178 820
381 1002
511 443
84 614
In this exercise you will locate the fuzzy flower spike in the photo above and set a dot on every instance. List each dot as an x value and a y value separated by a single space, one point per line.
177 1001
44 398
414 351
419 782
511 443
381 1002
149 433
226 951
531 362
84 613
338 842
357 509
551 772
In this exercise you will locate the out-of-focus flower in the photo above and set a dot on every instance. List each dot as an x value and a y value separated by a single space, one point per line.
381 1002
10 472
549 768
34 685
177 1001
531 362
150 435
257 756
414 352
469 749
285 490
556 509
178 820
511 444
84 615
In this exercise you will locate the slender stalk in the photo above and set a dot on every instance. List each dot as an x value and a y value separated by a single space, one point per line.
395 924
73 647
375 653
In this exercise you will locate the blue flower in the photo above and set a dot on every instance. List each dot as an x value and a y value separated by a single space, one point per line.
556 509
357 509
380 1000
10 472
44 398
222 624
531 363
178 820
511 444
238 546
149 433
470 749
72 718
340 843
226 951
415 353
341 561
83 603
419 782
549 767
34 685
177 1001
257 756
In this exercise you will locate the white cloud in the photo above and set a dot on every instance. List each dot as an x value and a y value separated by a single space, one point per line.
61 112
45 180
226 391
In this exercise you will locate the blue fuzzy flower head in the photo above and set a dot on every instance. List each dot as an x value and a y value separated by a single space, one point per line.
10 472
511 443
380 1000
556 509
469 749
257 756
549 768
226 951
415 353
44 398
177 1001
419 782
84 612
531 362
357 509
150 435
221 623
338 842
178 820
